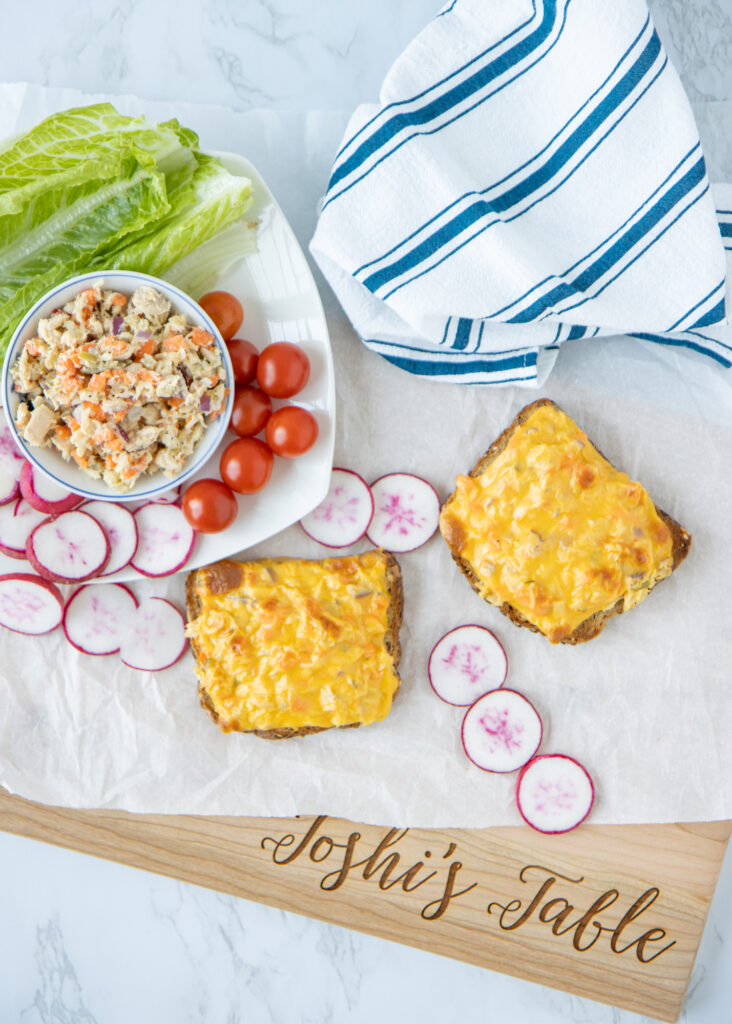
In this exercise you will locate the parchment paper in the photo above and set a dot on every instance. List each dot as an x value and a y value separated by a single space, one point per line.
645 706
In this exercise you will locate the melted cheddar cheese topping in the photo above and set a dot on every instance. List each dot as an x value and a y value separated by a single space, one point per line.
552 528
296 643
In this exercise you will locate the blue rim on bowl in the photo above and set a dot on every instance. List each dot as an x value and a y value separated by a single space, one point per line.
206 447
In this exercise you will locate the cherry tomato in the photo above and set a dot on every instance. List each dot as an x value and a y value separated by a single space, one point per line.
246 465
225 311
244 360
283 369
291 431
209 506
252 409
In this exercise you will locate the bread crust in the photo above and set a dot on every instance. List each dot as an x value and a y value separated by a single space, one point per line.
594 624
394 620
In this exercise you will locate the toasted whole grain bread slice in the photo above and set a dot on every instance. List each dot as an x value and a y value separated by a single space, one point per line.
680 539
229 575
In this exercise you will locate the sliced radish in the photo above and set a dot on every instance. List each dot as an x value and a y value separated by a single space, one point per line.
343 516
165 540
17 522
45 495
29 604
120 527
11 464
155 636
97 617
554 793
9 450
170 497
501 731
9 487
465 663
69 548
406 512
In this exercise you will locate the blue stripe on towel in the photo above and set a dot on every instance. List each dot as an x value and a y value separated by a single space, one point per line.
462 334
645 248
714 316
448 101
436 85
681 343
463 366
677 325
501 204
446 10
521 298
714 341
501 181
438 354
620 248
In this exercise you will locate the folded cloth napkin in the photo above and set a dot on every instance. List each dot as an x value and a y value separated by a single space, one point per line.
533 173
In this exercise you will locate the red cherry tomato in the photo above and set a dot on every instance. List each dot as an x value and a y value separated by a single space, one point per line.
225 311
283 369
243 359
246 465
291 431
252 408
209 506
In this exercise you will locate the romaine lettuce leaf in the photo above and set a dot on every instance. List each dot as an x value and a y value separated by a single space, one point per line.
72 153
199 271
216 199
91 189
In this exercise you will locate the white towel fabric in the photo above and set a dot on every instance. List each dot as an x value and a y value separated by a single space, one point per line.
532 173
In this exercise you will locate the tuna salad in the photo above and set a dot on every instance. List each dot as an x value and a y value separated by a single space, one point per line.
123 385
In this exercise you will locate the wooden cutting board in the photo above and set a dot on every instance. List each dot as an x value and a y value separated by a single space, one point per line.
613 913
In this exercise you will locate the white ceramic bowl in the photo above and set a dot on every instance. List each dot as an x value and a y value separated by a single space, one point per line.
48 460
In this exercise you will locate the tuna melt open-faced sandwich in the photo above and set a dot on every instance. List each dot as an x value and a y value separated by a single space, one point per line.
552 533
287 647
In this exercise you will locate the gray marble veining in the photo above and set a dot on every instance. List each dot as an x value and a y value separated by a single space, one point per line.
88 942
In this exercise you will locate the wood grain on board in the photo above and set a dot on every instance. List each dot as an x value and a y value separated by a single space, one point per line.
613 913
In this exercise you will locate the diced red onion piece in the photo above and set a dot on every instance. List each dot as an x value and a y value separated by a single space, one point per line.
117 322
205 403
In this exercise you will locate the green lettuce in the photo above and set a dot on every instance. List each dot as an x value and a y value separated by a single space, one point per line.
92 189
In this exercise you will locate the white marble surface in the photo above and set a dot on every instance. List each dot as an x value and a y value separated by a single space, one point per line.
89 942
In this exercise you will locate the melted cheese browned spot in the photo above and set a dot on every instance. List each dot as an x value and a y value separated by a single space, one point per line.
552 528
296 643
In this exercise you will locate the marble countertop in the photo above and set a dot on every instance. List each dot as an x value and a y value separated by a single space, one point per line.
84 941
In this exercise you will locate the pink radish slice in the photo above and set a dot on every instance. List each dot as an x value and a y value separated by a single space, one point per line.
69 548
155 636
170 497
554 793
165 540
29 604
9 451
120 527
343 516
465 663
406 512
97 617
11 464
501 731
44 494
17 522
9 488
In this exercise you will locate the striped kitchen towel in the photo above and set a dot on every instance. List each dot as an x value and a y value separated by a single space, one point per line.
533 173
